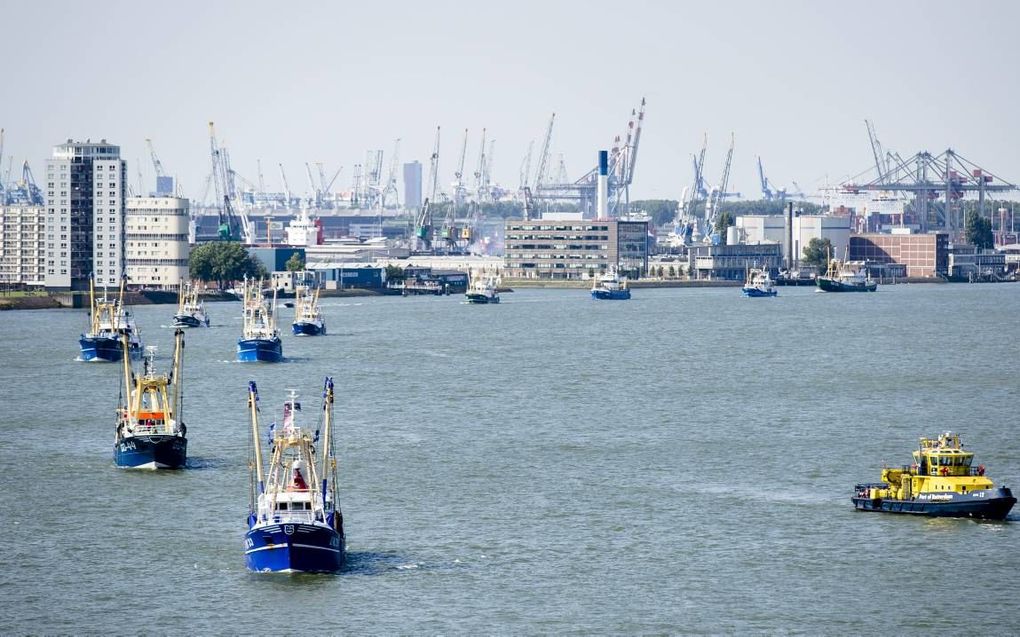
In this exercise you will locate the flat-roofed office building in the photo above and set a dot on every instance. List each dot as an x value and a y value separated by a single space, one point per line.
574 248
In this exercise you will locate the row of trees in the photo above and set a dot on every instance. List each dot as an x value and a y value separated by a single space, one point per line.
223 262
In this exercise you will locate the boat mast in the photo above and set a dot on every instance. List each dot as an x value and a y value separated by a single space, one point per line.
175 373
327 406
181 298
127 376
253 408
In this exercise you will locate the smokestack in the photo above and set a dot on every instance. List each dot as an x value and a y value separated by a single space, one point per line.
603 186
789 237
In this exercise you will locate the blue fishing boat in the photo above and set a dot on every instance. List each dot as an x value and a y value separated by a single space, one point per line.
609 286
295 524
759 283
150 431
190 310
308 318
108 320
260 340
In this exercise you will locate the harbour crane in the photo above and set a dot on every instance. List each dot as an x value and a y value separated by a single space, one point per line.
526 166
161 175
423 221
228 227
719 193
480 171
262 180
459 186
314 195
876 150
543 157
390 194
286 187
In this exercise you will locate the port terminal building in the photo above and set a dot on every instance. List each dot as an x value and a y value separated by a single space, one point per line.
560 247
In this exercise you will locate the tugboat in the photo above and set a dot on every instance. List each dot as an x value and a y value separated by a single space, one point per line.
941 482
483 291
846 276
759 283
150 432
295 524
610 286
109 320
260 340
308 319
190 310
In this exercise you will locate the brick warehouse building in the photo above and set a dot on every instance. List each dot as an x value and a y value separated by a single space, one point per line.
923 255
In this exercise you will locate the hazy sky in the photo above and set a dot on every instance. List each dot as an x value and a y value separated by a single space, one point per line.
293 82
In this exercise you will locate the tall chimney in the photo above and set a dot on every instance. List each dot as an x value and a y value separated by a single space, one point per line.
603 186
789 237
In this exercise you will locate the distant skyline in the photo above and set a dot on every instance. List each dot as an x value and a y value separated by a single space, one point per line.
318 81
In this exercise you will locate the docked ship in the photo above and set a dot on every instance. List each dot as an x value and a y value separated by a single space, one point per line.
941 482
610 286
308 319
260 340
759 283
150 431
108 320
846 276
483 290
295 524
190 310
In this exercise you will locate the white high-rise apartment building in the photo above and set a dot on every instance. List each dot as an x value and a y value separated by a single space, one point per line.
156 238
86 187
22 244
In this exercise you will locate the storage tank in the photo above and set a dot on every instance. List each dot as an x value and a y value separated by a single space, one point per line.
732 236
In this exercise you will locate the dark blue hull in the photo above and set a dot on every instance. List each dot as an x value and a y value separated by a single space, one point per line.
265 350
756 293
993 504
151 452
188 320
308 329
482 299
294 548
610 295
99 348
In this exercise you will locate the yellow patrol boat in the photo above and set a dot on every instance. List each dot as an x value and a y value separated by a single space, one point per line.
941 482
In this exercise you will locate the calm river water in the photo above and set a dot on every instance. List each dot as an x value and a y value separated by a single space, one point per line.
679 463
